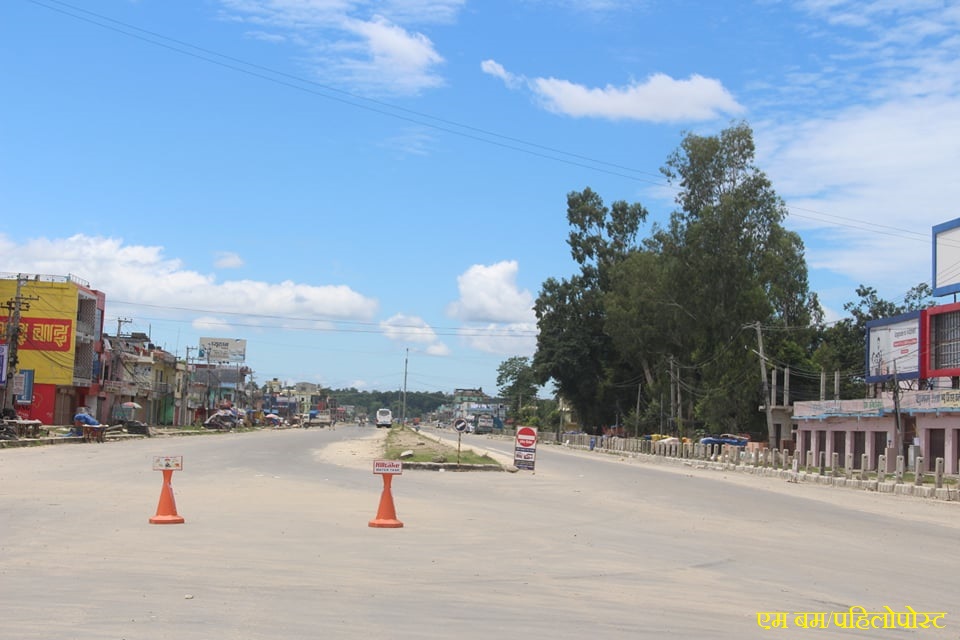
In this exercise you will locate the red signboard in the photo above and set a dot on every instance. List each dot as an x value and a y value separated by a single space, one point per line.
44 334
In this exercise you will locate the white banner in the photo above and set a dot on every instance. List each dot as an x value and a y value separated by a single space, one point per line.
223 350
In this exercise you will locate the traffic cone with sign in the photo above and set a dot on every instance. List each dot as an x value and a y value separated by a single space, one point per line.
167 507
386 512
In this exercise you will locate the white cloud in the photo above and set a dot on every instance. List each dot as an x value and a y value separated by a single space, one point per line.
143 275
495 69
658 99
212 324
412 329
228 260
349 45
393 58
513 339
870 172
499 315
490 294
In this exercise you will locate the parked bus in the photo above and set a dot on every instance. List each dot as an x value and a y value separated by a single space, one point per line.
384 418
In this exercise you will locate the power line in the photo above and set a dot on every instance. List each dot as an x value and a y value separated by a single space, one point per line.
421 118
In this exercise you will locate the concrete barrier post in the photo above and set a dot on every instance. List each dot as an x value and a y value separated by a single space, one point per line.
938 474
898 474
882 468
809 459
918 471
823 463
864 463
848 466
835 464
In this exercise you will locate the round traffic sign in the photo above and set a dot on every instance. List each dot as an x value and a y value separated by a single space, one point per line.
526 436
460 425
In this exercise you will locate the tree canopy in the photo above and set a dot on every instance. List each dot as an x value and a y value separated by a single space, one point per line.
674 315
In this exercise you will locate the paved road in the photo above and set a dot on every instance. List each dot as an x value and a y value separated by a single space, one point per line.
276 546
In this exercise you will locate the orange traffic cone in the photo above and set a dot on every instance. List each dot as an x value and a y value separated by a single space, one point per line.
167 507
386 513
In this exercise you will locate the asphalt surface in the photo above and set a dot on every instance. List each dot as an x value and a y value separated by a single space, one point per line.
276 545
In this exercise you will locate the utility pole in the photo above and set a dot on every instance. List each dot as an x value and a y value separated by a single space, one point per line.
768 409
636 415
673 397
14 307
403 412
898 434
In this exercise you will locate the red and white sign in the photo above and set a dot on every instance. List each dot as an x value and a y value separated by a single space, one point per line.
525 449
392 467
163 463
526 437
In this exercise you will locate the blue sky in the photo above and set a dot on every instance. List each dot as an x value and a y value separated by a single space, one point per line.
344 182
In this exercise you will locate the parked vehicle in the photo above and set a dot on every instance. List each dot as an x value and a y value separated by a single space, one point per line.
483 423
726 438
223 419
384 418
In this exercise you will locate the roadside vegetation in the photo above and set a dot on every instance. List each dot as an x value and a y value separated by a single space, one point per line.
425 449
661 326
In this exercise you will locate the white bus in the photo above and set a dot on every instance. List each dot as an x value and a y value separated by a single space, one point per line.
384 418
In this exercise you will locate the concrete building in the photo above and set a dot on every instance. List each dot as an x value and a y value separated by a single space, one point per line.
915 424
52 328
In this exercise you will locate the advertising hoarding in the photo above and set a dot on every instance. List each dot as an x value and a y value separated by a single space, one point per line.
893 348
223 350
946 258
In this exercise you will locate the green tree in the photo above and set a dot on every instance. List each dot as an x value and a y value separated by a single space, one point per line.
516 382
736 265
572 347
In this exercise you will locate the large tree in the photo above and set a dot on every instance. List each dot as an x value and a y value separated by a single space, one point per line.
572 346
675 317
516 383
734 265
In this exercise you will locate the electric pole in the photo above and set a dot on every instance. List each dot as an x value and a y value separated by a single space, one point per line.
14 307
403 412
768 408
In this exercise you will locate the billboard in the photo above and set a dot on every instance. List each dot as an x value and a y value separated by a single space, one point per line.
893 348
946 258
940 341
223 350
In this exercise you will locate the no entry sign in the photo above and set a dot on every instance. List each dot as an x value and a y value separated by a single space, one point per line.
525 448
526 437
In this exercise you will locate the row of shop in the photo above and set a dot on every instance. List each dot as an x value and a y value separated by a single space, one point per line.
917 424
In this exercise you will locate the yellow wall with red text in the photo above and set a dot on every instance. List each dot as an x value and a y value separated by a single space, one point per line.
48 314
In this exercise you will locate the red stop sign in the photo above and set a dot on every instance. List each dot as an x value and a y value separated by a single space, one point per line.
526 436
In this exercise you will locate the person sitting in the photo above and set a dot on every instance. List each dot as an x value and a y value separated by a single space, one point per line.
81 419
